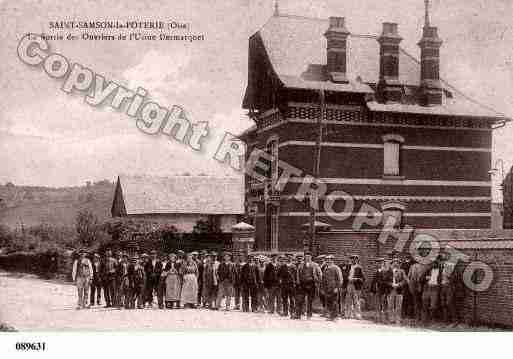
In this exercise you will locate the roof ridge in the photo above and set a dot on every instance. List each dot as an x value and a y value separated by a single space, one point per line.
289 16
177 176
300 17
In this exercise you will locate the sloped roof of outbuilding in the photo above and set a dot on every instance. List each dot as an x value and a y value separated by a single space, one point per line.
181 194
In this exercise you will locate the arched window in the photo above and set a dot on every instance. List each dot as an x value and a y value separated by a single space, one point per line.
393 214
391 154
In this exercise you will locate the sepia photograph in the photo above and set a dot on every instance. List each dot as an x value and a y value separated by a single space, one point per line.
261 166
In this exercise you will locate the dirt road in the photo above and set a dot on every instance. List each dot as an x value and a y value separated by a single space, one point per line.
28 303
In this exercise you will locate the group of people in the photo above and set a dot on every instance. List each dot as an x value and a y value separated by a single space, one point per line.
421 292
284 284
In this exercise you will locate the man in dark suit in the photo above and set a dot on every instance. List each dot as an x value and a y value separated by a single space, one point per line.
110 265
271 285
96 283
226 280
356 280
250 277
309 277
152 270
200 262
237 285
407 310
286 278
345 267
332 282
380 288
136 279
124 283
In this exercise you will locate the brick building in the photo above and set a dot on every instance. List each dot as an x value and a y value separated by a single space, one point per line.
180 201
391 133
507 200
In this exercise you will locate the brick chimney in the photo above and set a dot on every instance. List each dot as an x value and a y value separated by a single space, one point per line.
389 87
336 37
430 86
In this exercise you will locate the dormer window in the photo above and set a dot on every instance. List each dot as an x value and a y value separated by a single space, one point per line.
391 155
393 214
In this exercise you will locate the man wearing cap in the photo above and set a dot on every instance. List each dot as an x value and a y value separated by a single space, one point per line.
136 279
380 288
354 288
161 285
345 267
407 311
215 288
271 286
153 270
117 297
209 283
431 291
124 282
395 298
261 295
109 276
332 282
237 285
249 281
416 282
286 279
82 274
97 281
226 279
200 263
323 263
309 277
180 265
447 289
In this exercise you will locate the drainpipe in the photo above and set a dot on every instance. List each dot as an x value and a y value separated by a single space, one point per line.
317 165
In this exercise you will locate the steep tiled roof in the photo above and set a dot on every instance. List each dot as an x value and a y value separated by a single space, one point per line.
182 194
294 43
296 48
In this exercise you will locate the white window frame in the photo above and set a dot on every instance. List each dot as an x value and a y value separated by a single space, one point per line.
392 155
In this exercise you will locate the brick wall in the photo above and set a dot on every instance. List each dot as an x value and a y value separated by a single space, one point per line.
495 305
492 307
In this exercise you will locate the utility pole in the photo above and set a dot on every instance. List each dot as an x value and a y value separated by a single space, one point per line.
317 165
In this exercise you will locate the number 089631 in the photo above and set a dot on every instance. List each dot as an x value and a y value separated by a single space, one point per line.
31 346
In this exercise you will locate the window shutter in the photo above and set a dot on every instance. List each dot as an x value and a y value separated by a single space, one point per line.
391 158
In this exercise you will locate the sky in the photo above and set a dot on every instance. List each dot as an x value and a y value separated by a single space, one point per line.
51 138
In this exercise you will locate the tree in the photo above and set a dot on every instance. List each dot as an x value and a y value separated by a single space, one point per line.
205 226
201 227
87 227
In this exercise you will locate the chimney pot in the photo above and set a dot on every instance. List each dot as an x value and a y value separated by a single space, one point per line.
337 22
390 29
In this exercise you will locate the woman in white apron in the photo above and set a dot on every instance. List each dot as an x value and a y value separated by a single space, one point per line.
173 283
189 295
